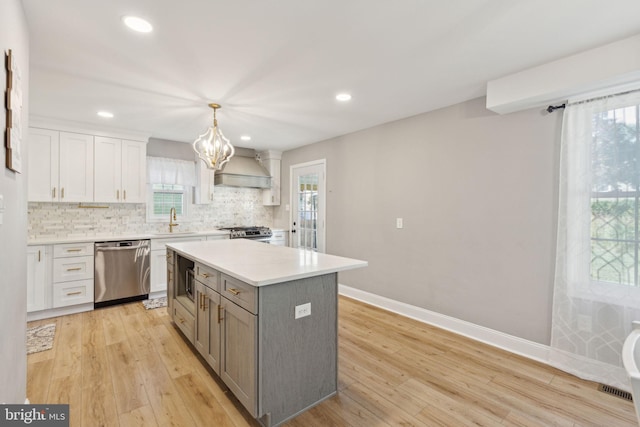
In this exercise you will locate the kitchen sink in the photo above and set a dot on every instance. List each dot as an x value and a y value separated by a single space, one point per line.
174 234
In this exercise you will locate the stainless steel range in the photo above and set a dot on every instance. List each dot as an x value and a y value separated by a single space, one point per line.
261 234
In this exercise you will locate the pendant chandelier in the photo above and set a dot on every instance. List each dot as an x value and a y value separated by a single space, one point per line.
212 146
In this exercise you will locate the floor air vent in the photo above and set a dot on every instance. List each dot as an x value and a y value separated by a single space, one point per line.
615 392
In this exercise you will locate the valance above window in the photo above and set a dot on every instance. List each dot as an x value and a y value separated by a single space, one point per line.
162 170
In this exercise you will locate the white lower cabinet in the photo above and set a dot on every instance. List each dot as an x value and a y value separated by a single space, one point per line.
279 237
59 276
72 293
158 270
159 260
37 278
72 269
72 274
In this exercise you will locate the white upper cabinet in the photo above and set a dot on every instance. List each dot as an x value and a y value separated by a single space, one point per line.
271 161
76 167
205 189
60 166
108 169
120 170
134 171
44 146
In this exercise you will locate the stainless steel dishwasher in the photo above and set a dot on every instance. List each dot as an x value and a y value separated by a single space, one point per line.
122 272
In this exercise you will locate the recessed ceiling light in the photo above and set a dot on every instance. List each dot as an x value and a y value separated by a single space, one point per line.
137 24
105 114
343 97
245 138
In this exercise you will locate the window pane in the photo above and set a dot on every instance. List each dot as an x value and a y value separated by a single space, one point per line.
165 197
615 184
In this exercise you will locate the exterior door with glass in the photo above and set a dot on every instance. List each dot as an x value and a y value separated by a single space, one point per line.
308 206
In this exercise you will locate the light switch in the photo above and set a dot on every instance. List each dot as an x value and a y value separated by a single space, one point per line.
399 223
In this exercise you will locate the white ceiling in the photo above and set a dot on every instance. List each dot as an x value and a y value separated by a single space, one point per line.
276 66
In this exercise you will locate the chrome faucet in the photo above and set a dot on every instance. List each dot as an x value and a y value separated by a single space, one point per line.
172 217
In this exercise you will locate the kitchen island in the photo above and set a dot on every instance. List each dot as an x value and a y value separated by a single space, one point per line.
265 318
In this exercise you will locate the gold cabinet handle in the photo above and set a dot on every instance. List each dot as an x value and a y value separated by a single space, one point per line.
220 308
234 291
117 194
205 275
54 193
74 250
62 193
181 320
74 293
124 194
74 269
39 259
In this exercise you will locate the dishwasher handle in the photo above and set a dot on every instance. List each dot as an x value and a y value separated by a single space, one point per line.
123 244
115 248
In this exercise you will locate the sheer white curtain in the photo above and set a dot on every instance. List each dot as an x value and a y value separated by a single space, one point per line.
163 170
597 286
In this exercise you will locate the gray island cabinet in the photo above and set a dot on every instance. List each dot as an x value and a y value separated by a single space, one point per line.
265 318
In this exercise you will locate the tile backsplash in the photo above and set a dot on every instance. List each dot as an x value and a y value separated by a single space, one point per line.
231 207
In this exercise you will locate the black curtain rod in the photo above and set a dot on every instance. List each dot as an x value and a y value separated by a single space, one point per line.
552 108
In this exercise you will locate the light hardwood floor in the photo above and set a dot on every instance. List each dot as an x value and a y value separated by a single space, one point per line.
127 366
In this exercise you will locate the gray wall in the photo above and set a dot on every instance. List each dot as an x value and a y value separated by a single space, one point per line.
478 195
13 231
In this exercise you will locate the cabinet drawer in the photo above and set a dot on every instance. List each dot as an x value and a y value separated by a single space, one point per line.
75 268
184 320
239 292
72 249
278 235
208 276
71 293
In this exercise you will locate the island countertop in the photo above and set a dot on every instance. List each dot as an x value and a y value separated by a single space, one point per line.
261 264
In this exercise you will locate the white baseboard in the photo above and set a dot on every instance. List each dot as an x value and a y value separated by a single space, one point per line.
520 346
61 311
157 294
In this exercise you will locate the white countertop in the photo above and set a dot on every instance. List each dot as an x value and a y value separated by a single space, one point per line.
262 264
111 237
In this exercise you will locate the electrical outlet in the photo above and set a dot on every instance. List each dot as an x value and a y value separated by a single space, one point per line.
303 310
399 223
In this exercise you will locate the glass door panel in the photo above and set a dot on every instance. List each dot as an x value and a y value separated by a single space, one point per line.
308 214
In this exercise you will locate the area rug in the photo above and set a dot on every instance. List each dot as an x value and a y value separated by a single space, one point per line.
40 338
150 304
